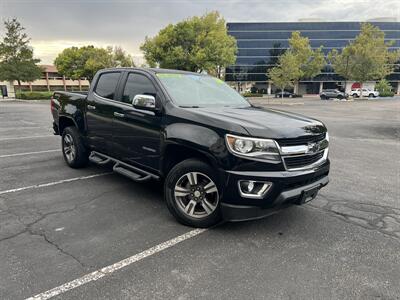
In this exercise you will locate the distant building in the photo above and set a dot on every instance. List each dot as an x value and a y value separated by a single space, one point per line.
260 44
51 80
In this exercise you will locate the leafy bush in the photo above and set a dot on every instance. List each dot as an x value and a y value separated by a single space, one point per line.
384 88
34 95
386 94
249 94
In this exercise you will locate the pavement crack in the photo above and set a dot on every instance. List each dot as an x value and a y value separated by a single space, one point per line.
28 227
13 235
42 216
350 203
61 250
383 219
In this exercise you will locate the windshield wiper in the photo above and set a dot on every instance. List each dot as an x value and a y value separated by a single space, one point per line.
189 106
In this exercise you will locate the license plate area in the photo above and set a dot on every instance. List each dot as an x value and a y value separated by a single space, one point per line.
309 194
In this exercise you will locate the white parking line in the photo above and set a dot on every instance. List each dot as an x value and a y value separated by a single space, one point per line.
96 275
52 183
28 153
26 137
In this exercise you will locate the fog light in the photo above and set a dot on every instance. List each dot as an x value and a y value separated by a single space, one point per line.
253 189
250 186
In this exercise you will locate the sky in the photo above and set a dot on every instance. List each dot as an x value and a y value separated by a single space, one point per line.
54 25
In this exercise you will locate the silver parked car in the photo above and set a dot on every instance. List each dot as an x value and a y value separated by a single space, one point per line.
332 93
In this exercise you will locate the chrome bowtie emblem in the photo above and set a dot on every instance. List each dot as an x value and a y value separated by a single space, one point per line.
312 147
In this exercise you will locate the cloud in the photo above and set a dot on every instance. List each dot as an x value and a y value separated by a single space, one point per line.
46 50
55 24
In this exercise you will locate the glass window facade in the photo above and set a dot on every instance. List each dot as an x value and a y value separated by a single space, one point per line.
260 44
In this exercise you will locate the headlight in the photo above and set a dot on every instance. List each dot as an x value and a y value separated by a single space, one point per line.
262 149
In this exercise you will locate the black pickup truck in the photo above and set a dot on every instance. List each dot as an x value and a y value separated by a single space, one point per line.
219 156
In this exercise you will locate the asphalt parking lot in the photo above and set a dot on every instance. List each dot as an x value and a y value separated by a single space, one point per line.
59 227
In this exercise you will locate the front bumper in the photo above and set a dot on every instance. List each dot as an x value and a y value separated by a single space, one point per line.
285 199
289 187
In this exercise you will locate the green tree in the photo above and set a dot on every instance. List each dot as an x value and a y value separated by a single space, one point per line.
384 88
70 63
366 58
97 59
300 59
16 56
286 72
274 55
120 58
82 62
310 61
196 44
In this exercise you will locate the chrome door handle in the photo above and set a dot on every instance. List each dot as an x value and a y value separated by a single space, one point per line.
91 107
119 115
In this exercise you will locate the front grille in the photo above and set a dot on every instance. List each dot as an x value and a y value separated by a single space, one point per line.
302 161
303 140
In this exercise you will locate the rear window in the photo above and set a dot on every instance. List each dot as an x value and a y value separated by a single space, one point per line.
107 84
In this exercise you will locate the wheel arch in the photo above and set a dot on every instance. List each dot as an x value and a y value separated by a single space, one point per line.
64 122
175 153
184 140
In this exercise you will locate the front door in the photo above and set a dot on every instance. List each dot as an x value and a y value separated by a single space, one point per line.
137 133
100 112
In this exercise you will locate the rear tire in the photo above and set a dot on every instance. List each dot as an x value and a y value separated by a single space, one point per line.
371 96
74 152
192 194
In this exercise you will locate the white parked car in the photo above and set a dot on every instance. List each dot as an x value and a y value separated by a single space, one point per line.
365 92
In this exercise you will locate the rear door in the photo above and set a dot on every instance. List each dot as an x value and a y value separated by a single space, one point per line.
100 111
137 133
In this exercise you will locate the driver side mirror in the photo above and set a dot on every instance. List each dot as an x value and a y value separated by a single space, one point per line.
145 102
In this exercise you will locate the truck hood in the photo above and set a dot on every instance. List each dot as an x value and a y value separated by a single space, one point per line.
266 123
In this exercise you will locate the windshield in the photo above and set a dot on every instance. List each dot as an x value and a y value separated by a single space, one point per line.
190 90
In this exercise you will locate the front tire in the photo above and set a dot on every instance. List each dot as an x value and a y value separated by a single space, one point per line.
74 152
192 194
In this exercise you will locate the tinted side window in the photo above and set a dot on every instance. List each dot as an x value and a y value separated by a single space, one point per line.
107 85
137 84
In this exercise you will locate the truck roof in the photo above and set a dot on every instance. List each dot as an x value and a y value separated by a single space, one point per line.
154 70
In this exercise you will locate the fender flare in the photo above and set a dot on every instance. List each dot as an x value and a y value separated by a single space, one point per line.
197 138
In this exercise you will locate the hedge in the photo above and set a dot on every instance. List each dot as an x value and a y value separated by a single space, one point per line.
247 94
386 94
34 95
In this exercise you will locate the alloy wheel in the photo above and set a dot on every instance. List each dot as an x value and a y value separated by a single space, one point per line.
69 147
196 195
